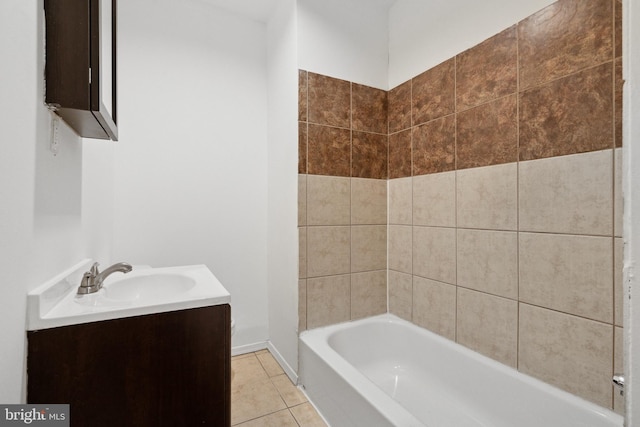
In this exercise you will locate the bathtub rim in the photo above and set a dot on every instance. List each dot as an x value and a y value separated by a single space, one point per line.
317 340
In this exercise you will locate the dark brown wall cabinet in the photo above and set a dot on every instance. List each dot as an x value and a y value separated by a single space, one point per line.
80 68
162 370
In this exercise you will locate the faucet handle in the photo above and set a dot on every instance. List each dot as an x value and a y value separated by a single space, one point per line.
94 269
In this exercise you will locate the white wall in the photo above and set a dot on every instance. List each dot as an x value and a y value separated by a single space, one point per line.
345 39
48 203
631 180
424 33
283 185
191 164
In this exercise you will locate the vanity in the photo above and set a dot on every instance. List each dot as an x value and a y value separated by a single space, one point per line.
138 354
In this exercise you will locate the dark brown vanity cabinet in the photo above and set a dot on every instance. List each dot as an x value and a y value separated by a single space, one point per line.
80 65
169 369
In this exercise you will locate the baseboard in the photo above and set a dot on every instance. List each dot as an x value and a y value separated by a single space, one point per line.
291 373
248 348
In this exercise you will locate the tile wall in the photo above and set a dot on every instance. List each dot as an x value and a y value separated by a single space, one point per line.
343 200
504 200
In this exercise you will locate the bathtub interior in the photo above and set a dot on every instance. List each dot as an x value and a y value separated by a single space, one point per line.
437 381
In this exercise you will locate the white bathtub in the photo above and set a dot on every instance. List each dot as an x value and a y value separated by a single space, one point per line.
384 371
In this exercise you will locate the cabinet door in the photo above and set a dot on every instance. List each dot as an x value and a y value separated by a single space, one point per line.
170 369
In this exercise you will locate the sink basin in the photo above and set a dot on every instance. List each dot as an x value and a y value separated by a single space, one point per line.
144 290
157 286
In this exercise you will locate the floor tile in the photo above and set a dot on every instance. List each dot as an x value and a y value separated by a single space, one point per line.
289 392
261 394
277 419
306 416
269 364
246 370
254 399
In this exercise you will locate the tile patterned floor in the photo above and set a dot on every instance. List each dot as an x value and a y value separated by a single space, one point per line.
263 396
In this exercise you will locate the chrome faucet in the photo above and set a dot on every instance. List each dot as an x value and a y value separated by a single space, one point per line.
92 280
618 381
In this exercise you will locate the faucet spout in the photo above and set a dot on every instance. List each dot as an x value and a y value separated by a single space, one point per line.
93 279
121 267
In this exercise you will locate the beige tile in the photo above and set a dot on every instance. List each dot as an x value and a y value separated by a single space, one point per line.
242 356
573 274
328 200
328 300
434 306
328 250
488 261
368 201
487 197
618 285
247 369
567 194
271 367
572 353
368 294
400 248
302 305
254 399
618 367
282 418
368 247
617 194
434 253
306 416
488 325
302 200
400 294
400 201
302 252
434 199
289 392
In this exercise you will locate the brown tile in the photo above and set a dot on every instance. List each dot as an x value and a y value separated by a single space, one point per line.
434 146
329 151
567 116
618 28
302 96
618 101
565 37
369 109
369 155
488 134
302 147
400 154
433 93
487 71
400 107
329 101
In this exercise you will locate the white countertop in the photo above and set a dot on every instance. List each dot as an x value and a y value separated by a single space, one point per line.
55 303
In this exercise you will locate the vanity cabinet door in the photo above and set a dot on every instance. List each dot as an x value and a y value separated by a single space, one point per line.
169 369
